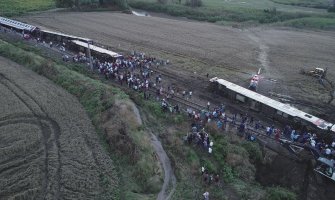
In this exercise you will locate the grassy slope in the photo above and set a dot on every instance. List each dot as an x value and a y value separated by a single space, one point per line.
18 7
311 22
248 12
136 177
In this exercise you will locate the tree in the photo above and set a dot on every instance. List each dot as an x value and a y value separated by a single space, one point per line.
77 3
64 3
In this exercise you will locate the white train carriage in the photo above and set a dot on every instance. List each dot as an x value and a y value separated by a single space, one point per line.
18 26
275 109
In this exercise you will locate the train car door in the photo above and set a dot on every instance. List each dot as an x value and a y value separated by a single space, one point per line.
255 105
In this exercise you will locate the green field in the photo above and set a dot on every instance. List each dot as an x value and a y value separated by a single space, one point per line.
305 3
249 12
17 7
262 4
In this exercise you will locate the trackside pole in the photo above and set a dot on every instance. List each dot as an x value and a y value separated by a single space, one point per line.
89 54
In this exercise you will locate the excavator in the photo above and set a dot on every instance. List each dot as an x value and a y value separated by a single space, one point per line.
317 72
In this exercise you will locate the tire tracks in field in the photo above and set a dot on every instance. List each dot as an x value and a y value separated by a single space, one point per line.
263 51
48 128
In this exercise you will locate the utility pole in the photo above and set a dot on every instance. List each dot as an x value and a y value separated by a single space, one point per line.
89 53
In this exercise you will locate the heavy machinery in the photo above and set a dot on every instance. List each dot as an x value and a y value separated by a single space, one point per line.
317 72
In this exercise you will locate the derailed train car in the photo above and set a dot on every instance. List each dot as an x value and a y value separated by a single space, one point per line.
20 27
274 109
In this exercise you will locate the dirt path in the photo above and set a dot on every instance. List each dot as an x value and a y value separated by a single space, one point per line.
169 177
263 51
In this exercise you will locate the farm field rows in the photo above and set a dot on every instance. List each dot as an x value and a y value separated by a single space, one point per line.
49 148
194 47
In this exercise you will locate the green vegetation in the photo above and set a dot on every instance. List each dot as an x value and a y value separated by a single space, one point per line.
311 22
278 193
91 4
305 3
18 7
228 12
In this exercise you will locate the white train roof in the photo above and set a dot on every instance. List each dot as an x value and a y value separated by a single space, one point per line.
16 24
97 49
285 108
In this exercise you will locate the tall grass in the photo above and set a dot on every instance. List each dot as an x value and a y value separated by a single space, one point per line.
311 22
219 14
17 7
246 15
305 3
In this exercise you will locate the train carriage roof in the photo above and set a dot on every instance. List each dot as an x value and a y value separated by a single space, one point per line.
98 49
285 108
17 24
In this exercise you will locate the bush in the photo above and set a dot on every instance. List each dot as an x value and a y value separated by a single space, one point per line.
193 3
64 3
278 193
254 151
162 1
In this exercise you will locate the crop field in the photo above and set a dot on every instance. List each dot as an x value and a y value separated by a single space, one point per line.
48 147
231 53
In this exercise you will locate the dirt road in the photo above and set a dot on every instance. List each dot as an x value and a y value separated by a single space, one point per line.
169 177
48 147
169 184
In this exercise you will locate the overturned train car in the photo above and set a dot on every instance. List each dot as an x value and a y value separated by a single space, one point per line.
276 110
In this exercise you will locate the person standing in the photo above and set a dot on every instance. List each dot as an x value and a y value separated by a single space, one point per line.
206 195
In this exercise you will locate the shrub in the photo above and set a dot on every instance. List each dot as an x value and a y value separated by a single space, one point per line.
278 193
162 1
254 151
193 3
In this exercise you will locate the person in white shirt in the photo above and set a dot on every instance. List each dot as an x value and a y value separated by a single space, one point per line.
206 195
210 150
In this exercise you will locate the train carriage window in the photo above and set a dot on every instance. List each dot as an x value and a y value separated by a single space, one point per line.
308 116
240 98
282 114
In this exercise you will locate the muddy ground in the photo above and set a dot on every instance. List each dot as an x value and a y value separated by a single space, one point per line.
47 151
230 53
